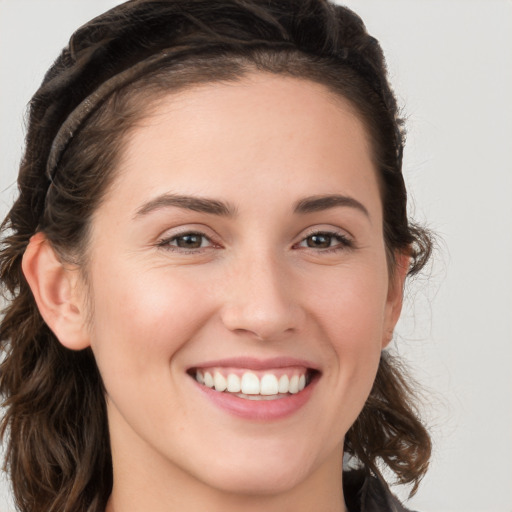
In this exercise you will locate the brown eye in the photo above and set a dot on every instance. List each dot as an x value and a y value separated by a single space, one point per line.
319 241
190 241
326 241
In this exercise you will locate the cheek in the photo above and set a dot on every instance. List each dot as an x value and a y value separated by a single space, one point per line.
141 319
351 312
351 306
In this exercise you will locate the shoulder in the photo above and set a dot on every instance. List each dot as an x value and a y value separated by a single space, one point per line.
365 493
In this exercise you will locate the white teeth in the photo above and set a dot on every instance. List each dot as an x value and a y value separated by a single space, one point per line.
302 382
234 385
284 384
220 382
294 385
250 384
269 385
208 380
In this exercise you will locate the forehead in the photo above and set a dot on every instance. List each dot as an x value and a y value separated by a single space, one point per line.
262 131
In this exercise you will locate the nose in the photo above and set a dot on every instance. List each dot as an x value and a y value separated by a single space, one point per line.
260 299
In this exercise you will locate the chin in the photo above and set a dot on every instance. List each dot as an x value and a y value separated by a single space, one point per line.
270 473
262 481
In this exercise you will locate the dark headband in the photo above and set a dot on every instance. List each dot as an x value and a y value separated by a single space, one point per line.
79 115
84 109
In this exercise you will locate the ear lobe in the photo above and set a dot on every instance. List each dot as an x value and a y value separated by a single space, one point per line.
395 295
56 293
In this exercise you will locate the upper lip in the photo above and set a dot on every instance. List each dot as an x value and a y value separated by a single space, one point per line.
252 363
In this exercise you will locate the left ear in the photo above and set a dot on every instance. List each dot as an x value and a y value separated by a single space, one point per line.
395 295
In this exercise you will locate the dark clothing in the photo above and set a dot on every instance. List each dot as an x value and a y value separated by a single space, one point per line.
368 494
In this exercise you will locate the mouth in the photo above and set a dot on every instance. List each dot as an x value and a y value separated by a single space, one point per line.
250 384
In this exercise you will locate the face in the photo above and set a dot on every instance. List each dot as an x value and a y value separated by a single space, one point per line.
241 246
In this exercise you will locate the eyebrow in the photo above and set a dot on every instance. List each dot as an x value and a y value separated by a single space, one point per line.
318 203
215 207
197 204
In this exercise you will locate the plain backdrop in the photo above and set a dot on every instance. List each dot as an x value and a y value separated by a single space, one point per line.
451 65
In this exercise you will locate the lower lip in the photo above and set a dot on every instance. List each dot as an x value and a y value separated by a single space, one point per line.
263 410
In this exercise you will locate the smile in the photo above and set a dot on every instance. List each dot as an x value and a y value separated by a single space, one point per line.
257 390
253 385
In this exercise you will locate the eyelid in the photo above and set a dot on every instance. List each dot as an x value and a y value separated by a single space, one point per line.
326 229
183 229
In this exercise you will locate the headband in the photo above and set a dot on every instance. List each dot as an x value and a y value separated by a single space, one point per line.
84 109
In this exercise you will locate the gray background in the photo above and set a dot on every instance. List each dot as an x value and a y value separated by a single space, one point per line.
451 64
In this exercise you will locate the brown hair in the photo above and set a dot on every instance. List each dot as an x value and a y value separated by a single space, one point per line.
55 423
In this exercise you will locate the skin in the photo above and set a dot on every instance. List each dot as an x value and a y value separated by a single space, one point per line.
256 287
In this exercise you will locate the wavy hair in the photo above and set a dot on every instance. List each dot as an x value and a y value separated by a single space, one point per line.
55 423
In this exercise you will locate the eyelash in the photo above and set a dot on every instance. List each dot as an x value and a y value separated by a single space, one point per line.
166 243
344 242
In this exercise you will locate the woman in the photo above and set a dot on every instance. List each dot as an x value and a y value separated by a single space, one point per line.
204 265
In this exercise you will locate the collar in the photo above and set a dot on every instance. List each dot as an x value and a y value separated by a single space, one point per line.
365 493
